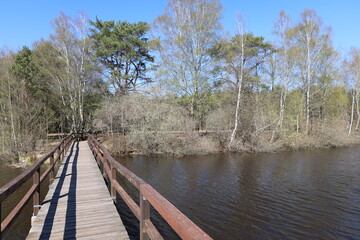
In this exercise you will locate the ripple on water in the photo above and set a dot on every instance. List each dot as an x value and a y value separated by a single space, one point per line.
293 195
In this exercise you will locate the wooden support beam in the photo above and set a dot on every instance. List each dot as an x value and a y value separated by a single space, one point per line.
144 216
36 196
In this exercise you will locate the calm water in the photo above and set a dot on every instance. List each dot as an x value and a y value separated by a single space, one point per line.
19 229
290 195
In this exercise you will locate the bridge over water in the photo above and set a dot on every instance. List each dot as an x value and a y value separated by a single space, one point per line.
78 204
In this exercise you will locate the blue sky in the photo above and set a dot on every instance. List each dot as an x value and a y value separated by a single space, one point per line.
22 21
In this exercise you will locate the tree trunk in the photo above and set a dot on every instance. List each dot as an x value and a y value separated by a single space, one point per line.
352 113
82 85
297 124
308 84
307 109
81 111
357 110
239 84
12 120
2 129
237 114
281 113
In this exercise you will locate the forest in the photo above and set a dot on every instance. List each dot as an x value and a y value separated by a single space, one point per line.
182 84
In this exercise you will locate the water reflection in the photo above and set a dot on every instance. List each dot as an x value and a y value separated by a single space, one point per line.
308 194
290 195
20 227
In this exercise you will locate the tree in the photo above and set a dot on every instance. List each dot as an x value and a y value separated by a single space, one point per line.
312 41
124 50
25 68
187 30
241 56
285 62
351 68
8 115
31 95
355 72
68 64
22 113
50 64
327 73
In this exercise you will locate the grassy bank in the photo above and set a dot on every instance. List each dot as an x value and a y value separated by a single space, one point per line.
200 143
26 159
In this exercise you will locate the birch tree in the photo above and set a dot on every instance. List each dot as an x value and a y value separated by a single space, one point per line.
240 57
70 42
311 37
351 67
355 71
239 75
285 63
187 30
9 115
327 74
67 61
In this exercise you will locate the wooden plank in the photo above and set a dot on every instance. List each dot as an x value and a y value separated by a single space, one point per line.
128 200
144 215
36 196
181 224
130 176
17 209
17 182
152 231
78 204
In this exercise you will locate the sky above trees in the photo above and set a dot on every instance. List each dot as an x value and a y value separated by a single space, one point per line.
22 22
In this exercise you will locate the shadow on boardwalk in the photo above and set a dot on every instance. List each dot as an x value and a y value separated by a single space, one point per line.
70 221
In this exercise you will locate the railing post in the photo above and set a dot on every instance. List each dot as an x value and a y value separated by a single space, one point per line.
36 196
144 215
104 164
113 179
97 155
52 168
63 149
90 143
60 151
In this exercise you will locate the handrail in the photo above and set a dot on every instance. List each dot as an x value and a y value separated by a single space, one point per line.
34 171
181 224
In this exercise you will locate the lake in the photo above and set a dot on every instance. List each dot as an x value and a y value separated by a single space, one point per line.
288 195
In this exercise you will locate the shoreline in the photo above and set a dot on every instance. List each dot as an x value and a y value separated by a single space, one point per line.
202 146
300 143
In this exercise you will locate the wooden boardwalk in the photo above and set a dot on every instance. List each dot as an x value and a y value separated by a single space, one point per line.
78 204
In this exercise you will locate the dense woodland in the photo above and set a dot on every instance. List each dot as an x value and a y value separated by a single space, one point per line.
182 84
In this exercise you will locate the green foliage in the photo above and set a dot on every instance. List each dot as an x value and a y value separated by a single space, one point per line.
294 108
284 93
26 69
254 46
22 111
205 102
188 29
337 102
123 48
230 51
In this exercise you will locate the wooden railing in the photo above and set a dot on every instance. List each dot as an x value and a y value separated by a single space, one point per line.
56 155
182 225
